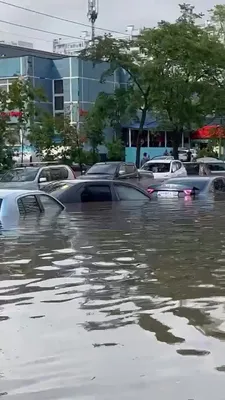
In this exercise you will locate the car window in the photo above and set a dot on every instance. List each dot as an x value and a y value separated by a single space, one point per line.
216 167
129 193
188 183
192 168
130 168
45 173
178 165
156 167
174 167
102 169
50 204
28 205
219 185
92 193
20 175
57 174
122 169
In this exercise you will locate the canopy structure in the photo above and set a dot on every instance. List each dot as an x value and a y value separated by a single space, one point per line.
209 132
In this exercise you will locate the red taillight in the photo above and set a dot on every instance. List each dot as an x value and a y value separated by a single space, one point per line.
188 192
150 191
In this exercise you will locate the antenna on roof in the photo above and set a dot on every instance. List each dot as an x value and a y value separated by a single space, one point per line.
93 9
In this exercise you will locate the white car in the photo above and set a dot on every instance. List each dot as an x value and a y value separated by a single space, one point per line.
163 169
15 204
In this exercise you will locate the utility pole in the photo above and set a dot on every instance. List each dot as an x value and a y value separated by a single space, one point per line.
93 9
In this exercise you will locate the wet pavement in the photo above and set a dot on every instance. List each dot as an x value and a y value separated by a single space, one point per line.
115 302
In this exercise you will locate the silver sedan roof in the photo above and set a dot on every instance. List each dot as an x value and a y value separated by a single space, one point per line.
17 192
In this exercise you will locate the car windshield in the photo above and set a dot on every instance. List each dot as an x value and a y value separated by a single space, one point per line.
156 167
56 188
102 169
20 175
188 183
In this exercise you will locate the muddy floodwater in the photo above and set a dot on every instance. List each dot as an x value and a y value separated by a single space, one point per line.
115 302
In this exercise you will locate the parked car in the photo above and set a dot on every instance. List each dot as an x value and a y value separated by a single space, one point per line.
163 169
36 177
162 158
188 186
112 170
102 190
209 167
15 204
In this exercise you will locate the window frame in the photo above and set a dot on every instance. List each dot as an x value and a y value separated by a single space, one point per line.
129 187
95 184
217 190
21 197
46 195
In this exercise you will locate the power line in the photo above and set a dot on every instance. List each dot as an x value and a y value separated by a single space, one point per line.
25 36
59 18
39 30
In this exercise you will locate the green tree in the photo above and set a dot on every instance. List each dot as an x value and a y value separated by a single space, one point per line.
172 69
115 149
216 23
129 56
93 128
24 98
190 61
42 134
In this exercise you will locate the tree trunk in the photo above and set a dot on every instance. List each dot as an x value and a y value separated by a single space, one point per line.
140 131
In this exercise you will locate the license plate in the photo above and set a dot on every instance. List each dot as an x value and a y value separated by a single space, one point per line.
167 194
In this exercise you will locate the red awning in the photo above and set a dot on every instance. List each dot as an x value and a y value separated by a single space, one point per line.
209 132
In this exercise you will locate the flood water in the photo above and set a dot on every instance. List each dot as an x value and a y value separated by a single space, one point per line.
115 302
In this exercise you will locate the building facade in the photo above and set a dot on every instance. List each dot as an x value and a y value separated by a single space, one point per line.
71 86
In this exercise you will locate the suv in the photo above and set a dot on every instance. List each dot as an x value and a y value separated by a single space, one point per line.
35 177
112 170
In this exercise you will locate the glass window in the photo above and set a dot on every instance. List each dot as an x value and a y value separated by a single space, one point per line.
188 183
129 193
156 167
28 205
59 103
107 169
130 168
50 204
216 167
57 174
45 173
20 175
58 86
178 165
219 185
92 193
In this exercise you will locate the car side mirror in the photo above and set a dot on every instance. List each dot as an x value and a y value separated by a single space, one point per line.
42 180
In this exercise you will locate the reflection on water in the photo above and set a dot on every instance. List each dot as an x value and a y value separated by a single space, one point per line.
115 303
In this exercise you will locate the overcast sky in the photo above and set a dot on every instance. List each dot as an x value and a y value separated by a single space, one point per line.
113 14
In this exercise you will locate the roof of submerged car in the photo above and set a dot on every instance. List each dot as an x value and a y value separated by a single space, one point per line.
97 181
17 192
161 160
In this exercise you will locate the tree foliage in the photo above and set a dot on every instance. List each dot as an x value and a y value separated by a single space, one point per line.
175 69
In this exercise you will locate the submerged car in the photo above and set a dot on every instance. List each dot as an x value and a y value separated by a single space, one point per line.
83 191
188 186
36 177
15 204
112 170
163 169
205 167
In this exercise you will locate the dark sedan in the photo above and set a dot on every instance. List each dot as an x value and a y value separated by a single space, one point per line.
188 186
112 170
83 191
